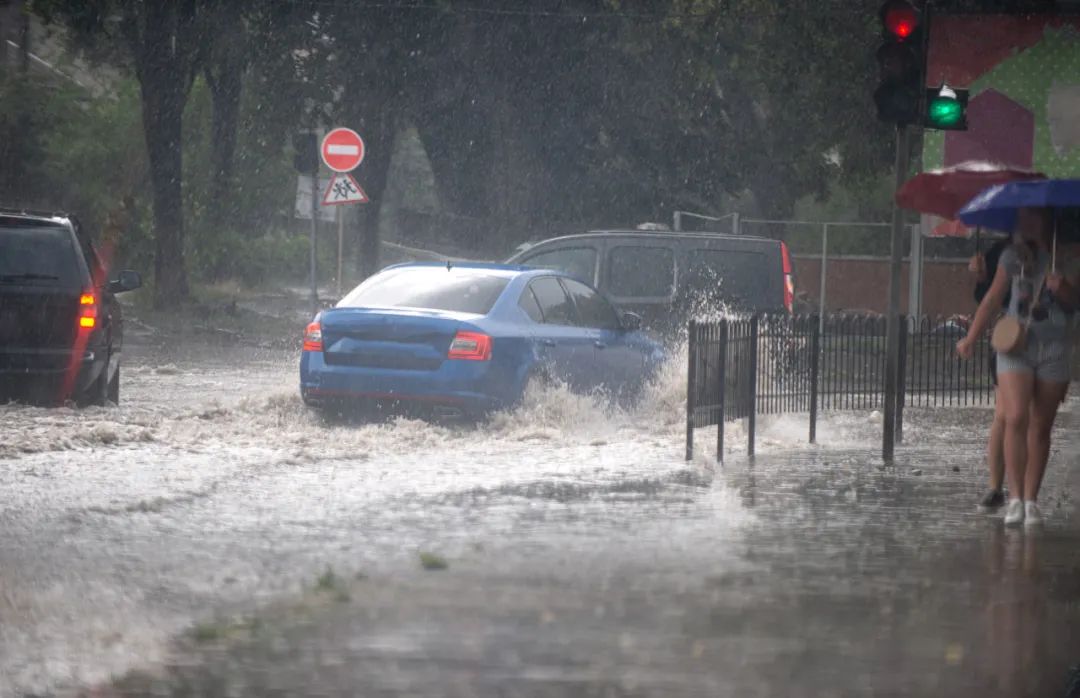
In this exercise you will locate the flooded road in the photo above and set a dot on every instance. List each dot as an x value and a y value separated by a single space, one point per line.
584 556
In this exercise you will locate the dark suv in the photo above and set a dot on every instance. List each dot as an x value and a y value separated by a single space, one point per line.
61 329
665 277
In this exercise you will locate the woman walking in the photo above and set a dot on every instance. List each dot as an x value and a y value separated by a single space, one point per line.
1032 381
984 267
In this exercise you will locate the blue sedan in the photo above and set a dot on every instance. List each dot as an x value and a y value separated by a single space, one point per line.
468 339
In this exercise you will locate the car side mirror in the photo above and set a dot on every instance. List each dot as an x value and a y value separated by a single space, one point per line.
127 281
631 321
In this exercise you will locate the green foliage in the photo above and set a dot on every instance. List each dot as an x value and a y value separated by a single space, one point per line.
530 122
26 116
66 150
254 243
223 253
433 562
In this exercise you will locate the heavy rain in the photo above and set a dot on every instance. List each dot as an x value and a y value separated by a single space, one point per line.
539 348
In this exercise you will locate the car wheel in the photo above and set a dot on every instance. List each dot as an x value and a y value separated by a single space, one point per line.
310 401
114 388
98 392
536 378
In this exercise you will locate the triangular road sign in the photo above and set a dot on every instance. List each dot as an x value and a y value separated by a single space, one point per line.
343 189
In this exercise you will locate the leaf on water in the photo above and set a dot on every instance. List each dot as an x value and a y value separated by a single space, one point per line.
431 561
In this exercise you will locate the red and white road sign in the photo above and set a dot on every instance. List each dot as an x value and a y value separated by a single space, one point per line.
344 189
342 150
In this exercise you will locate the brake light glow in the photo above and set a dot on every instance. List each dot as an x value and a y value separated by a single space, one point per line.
789 280
87 311
470 346
313 337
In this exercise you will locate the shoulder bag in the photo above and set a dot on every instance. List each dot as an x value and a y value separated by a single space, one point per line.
1010 332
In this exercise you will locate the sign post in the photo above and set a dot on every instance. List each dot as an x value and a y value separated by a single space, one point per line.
340 245
314 243
342 151
343 189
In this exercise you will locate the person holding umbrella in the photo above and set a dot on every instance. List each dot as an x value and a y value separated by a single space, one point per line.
984 267
944 193
1033 363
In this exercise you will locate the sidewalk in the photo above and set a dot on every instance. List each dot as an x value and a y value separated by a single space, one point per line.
818 573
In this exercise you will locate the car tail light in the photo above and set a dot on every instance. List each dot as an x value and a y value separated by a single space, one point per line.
470 346
313 337
789 279
87 311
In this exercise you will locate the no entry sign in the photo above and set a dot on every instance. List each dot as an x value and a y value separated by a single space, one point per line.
342 150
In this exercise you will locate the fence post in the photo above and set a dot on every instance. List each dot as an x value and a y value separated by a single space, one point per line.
722 392
691 345
901 379
751 413
815 352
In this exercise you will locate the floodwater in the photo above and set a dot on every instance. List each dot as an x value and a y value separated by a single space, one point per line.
585 557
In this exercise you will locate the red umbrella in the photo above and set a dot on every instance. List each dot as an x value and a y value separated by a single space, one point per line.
944 192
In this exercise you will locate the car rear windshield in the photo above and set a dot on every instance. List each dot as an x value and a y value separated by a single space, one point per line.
39 255
457 290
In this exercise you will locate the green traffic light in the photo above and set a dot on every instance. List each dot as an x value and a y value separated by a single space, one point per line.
945 112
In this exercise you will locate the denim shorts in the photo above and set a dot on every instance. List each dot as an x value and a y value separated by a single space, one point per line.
1048 359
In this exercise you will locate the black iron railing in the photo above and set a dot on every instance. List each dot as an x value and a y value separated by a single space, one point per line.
773 364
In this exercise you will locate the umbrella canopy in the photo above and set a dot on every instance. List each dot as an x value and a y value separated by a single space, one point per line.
944 192
996 207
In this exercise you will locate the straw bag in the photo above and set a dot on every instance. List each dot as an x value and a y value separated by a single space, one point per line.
1010 336
1010 333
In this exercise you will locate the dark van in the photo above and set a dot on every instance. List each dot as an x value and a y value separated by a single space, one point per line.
664 276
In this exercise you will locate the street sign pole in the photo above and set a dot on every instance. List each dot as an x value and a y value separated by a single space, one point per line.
892 319
314 239
342 150
340 245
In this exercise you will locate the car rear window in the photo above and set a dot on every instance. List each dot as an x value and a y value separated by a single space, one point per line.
641 272
457 290
742 278
42 255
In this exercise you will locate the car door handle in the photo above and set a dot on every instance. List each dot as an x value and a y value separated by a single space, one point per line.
600 345
547 342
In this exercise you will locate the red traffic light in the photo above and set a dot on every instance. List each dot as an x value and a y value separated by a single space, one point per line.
900 18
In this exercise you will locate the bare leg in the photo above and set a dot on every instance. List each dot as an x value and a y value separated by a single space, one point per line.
995 446
1044 408
1015 390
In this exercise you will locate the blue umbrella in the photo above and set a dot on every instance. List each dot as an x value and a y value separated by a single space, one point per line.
996 206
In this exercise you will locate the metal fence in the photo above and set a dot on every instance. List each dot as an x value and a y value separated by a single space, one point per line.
773 364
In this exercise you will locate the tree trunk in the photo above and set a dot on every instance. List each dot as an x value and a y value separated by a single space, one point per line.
166 47
162 108
224 73
379 139
225 81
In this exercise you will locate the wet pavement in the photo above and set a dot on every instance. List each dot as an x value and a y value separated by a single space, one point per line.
179 545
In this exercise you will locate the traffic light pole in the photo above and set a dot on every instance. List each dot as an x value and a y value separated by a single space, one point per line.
892 332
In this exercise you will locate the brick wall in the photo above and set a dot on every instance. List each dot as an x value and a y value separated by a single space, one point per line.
862 283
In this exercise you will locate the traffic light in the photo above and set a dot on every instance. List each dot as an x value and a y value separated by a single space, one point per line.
946 109
900 60
306 158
